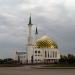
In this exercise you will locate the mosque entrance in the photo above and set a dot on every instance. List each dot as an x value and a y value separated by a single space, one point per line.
32 59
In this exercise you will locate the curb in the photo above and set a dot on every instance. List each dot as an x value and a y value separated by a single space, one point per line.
54 67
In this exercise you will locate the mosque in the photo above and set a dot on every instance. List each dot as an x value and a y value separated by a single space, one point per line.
42 50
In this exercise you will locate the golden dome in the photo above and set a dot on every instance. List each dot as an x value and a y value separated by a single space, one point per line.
46 42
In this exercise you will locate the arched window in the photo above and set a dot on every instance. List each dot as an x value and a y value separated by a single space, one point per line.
35 59
45 54
48 54
38 51
53 54
35 51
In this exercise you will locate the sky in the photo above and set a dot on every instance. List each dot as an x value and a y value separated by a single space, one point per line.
55 18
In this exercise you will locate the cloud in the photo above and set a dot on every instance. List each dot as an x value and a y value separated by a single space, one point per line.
52 17
70 4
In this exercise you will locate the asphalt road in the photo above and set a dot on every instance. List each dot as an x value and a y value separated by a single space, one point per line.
28 70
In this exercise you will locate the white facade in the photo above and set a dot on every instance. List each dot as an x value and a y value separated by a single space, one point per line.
44 54
21 57
36 55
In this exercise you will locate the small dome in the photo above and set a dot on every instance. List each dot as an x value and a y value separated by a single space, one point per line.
46 42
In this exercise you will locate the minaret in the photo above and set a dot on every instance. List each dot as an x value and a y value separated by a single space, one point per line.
30 36
30 42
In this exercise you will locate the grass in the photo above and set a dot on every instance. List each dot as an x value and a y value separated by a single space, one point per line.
11 65
60 65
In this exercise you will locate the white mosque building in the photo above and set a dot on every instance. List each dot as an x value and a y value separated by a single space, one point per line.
42 50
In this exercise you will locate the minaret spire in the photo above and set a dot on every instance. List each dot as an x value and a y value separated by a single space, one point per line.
36 31
36 35
30 21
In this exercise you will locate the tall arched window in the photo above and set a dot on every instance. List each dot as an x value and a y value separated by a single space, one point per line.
45 54
48 54
53 54
56 54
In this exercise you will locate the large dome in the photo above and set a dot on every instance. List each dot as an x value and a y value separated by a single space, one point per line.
46 42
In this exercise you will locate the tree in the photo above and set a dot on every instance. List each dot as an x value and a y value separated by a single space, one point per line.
63 59
71 59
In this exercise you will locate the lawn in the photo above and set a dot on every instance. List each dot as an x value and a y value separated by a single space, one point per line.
60 65
11 65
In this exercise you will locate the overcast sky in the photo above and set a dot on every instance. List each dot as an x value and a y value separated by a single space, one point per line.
55 18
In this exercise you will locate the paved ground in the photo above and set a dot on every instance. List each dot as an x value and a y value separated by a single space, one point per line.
28 70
